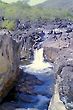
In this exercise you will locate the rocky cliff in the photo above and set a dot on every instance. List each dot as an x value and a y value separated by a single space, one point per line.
9 62
59 50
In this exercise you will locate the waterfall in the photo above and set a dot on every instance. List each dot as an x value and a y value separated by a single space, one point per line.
38 56
38 64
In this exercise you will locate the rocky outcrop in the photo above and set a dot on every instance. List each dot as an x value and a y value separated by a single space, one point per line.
9 62
56 103
60 52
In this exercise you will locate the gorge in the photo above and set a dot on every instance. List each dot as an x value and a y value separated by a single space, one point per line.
47 47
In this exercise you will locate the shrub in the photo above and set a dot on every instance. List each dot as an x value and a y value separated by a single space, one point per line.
7 24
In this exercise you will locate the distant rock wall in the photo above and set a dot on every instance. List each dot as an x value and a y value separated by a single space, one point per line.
9 62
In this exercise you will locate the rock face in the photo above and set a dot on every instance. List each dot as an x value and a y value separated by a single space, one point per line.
56 103
8 63
60 52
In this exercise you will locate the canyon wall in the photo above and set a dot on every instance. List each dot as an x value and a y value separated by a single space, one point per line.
60 52
9 62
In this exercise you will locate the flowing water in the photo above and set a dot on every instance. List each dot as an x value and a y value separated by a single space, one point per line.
35 87
38 64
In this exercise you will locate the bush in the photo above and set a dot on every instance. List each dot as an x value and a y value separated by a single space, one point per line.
7 24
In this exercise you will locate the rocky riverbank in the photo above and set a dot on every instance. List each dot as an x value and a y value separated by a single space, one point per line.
59 49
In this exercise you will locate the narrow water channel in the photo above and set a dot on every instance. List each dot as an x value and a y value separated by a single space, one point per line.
35 87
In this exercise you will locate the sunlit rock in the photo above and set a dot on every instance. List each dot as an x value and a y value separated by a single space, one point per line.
9 62
56 103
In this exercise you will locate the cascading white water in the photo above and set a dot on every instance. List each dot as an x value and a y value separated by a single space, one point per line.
38 56
38 63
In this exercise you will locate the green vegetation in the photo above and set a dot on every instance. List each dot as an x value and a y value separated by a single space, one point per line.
23 11
8 24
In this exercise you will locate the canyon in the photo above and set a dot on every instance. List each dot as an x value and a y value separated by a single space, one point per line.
18 46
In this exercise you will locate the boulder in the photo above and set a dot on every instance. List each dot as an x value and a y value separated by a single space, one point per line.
9 62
